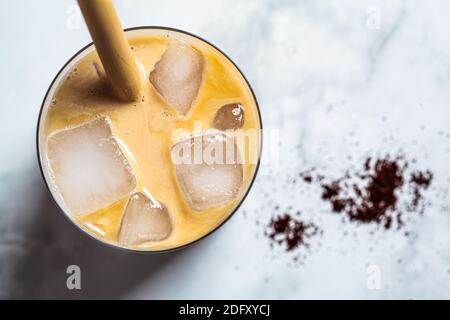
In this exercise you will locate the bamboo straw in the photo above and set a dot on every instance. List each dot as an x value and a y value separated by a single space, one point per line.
112 47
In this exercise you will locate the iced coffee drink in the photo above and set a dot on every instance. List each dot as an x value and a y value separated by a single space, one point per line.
160 172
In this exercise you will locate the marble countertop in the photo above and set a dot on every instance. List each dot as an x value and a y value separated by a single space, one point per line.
334 79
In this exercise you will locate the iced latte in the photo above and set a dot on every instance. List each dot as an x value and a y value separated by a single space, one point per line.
160 172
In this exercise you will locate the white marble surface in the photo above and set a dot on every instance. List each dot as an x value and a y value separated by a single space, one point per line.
328 77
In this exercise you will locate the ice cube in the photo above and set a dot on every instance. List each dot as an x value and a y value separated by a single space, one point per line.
208 169
178 75
145 219
88 167
229 116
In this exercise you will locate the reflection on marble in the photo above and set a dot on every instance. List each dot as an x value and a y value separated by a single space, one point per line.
332 78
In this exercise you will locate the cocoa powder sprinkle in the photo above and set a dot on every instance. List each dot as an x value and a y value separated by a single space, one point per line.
285 229
382 192
375 198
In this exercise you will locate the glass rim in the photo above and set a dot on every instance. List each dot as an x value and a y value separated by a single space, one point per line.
112 245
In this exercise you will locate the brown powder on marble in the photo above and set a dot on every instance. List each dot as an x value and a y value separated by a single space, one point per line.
287 230
374 197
